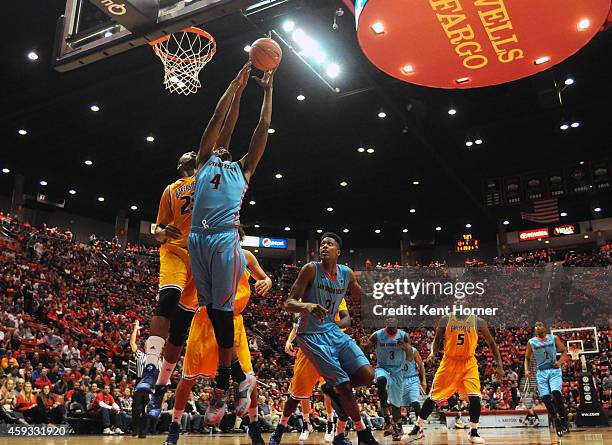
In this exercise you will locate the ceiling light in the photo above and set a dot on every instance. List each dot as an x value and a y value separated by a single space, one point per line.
563 213
378 28
597 209
330 209
583 24
462 80
257 226
370 150
72 191
412 210
319 231
343 184
361 149
478 141
415 182
469 143
22 132
252 203
101 198
287 229
586 236
564 127
547 242
407 69
43 182
300 97
569 81
150 139
247 48
94 108
32 55
288 25
541 60
346 230
271 131
332 70
506 222
438 228
88 162
377 231
5 170
134 207
278 176
468 226
581 162
575 124
452 111
382 114
405 231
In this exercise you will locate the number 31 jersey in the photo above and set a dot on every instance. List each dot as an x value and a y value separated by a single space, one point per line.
175 208
328 292
220 187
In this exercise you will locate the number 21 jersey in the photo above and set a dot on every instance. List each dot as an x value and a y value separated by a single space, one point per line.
327 292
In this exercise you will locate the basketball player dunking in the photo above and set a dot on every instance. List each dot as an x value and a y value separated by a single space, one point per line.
178 298
549 376
316 296
201 356
458 370
216 258
392 351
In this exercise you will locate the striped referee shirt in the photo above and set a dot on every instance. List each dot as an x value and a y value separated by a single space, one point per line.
140 358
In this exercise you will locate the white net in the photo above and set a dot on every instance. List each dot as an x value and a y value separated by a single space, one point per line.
183 55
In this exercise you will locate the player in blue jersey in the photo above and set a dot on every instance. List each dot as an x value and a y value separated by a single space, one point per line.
544 347
413 384
392 350
316 296
217 260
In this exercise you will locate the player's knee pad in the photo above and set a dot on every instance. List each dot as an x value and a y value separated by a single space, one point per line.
168 301
179 326
474 408
223 324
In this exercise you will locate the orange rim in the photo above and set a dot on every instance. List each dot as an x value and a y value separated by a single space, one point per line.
192 29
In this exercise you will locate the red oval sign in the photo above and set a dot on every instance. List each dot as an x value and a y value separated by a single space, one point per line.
474 43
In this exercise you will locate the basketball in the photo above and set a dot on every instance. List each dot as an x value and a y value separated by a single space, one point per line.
265 54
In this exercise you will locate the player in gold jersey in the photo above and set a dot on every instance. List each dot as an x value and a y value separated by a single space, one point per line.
458 370
202 353
177 298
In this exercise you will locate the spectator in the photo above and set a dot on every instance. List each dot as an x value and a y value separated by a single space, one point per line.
43 379
26 404
8 401
106 410
51 410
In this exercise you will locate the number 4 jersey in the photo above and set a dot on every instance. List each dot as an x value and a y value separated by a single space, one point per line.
175 208
220 188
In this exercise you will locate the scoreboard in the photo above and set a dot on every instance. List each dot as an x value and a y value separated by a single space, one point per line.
467 243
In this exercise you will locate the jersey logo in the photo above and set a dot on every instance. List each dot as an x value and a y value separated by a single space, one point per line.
205 224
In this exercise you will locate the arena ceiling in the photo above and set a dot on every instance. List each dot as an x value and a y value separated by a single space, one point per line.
315 142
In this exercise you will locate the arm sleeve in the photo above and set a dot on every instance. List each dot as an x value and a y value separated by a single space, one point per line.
164 214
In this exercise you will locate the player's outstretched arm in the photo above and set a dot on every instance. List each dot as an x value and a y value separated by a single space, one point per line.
211 133
563 350
264 283
230 120
483 329
294 303
528 355
260 136
133 344
438 340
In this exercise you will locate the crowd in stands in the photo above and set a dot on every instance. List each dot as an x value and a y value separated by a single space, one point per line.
67 309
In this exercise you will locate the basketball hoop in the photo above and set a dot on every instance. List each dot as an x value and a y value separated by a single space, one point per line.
183 55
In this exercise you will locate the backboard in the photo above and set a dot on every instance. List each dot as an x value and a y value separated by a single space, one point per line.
90 30
585 339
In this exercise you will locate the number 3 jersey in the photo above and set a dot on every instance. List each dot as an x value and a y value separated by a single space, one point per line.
220 188
389 355
175 208
327 291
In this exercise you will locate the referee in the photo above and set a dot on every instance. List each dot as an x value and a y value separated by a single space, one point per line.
139 399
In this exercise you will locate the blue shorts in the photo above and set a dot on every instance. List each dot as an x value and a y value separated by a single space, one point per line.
395 385
412 390
549 380
217 264
334 354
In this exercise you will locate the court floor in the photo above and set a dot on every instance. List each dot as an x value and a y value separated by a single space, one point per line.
437 436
